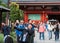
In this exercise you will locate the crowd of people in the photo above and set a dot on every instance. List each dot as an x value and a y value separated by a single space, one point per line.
49 27
25 32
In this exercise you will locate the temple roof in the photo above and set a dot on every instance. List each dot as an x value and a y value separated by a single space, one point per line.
37 0
4 9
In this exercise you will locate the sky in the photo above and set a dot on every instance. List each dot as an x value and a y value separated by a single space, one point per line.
5 1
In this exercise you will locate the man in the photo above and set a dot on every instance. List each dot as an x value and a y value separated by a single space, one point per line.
19 30
5 29
32 36
6 32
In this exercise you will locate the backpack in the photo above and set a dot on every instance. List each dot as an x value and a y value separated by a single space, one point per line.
24 36
8 39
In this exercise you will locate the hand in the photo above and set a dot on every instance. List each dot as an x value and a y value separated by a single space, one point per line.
26 28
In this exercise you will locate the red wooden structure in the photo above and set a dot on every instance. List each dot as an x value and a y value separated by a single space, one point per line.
45 8
42 8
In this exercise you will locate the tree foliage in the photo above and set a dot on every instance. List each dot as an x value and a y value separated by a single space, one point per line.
2 4
15 12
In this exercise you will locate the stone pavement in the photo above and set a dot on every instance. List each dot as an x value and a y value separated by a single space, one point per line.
36 38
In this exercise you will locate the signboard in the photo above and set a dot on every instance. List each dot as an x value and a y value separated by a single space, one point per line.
34 16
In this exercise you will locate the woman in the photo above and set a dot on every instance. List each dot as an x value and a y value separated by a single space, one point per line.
50 28
41 30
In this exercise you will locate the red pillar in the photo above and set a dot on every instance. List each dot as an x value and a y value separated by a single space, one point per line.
25 16
44 16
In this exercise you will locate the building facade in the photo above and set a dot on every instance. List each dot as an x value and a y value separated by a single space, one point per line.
39 10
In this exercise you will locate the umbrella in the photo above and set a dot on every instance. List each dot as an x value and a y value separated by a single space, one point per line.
53 20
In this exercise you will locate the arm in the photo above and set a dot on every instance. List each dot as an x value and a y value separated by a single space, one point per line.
19 29
2 30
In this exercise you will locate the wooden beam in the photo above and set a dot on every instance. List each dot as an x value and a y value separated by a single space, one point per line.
38 3
39 12
52 12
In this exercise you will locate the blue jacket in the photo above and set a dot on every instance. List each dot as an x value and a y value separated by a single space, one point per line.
46 25
20 26
33 27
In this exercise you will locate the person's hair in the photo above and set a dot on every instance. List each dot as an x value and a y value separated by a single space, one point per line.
29 20
21 20
16 19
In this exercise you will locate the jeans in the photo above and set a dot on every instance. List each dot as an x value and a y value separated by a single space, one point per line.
41 35
50 34
56 35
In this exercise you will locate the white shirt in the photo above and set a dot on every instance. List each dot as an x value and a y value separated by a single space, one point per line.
50 27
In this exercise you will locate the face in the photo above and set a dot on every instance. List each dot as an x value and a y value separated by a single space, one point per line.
3 24
47 22
50 22
30 21
22 22
29 26
33 22
41 23
17 21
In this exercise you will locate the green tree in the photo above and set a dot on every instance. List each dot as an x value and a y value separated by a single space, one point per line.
15 12
2 4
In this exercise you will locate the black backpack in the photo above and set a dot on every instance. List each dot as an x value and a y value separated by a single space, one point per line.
24 36
8 39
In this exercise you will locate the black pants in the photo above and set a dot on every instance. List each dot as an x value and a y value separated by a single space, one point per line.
24 42
19 41
31 39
